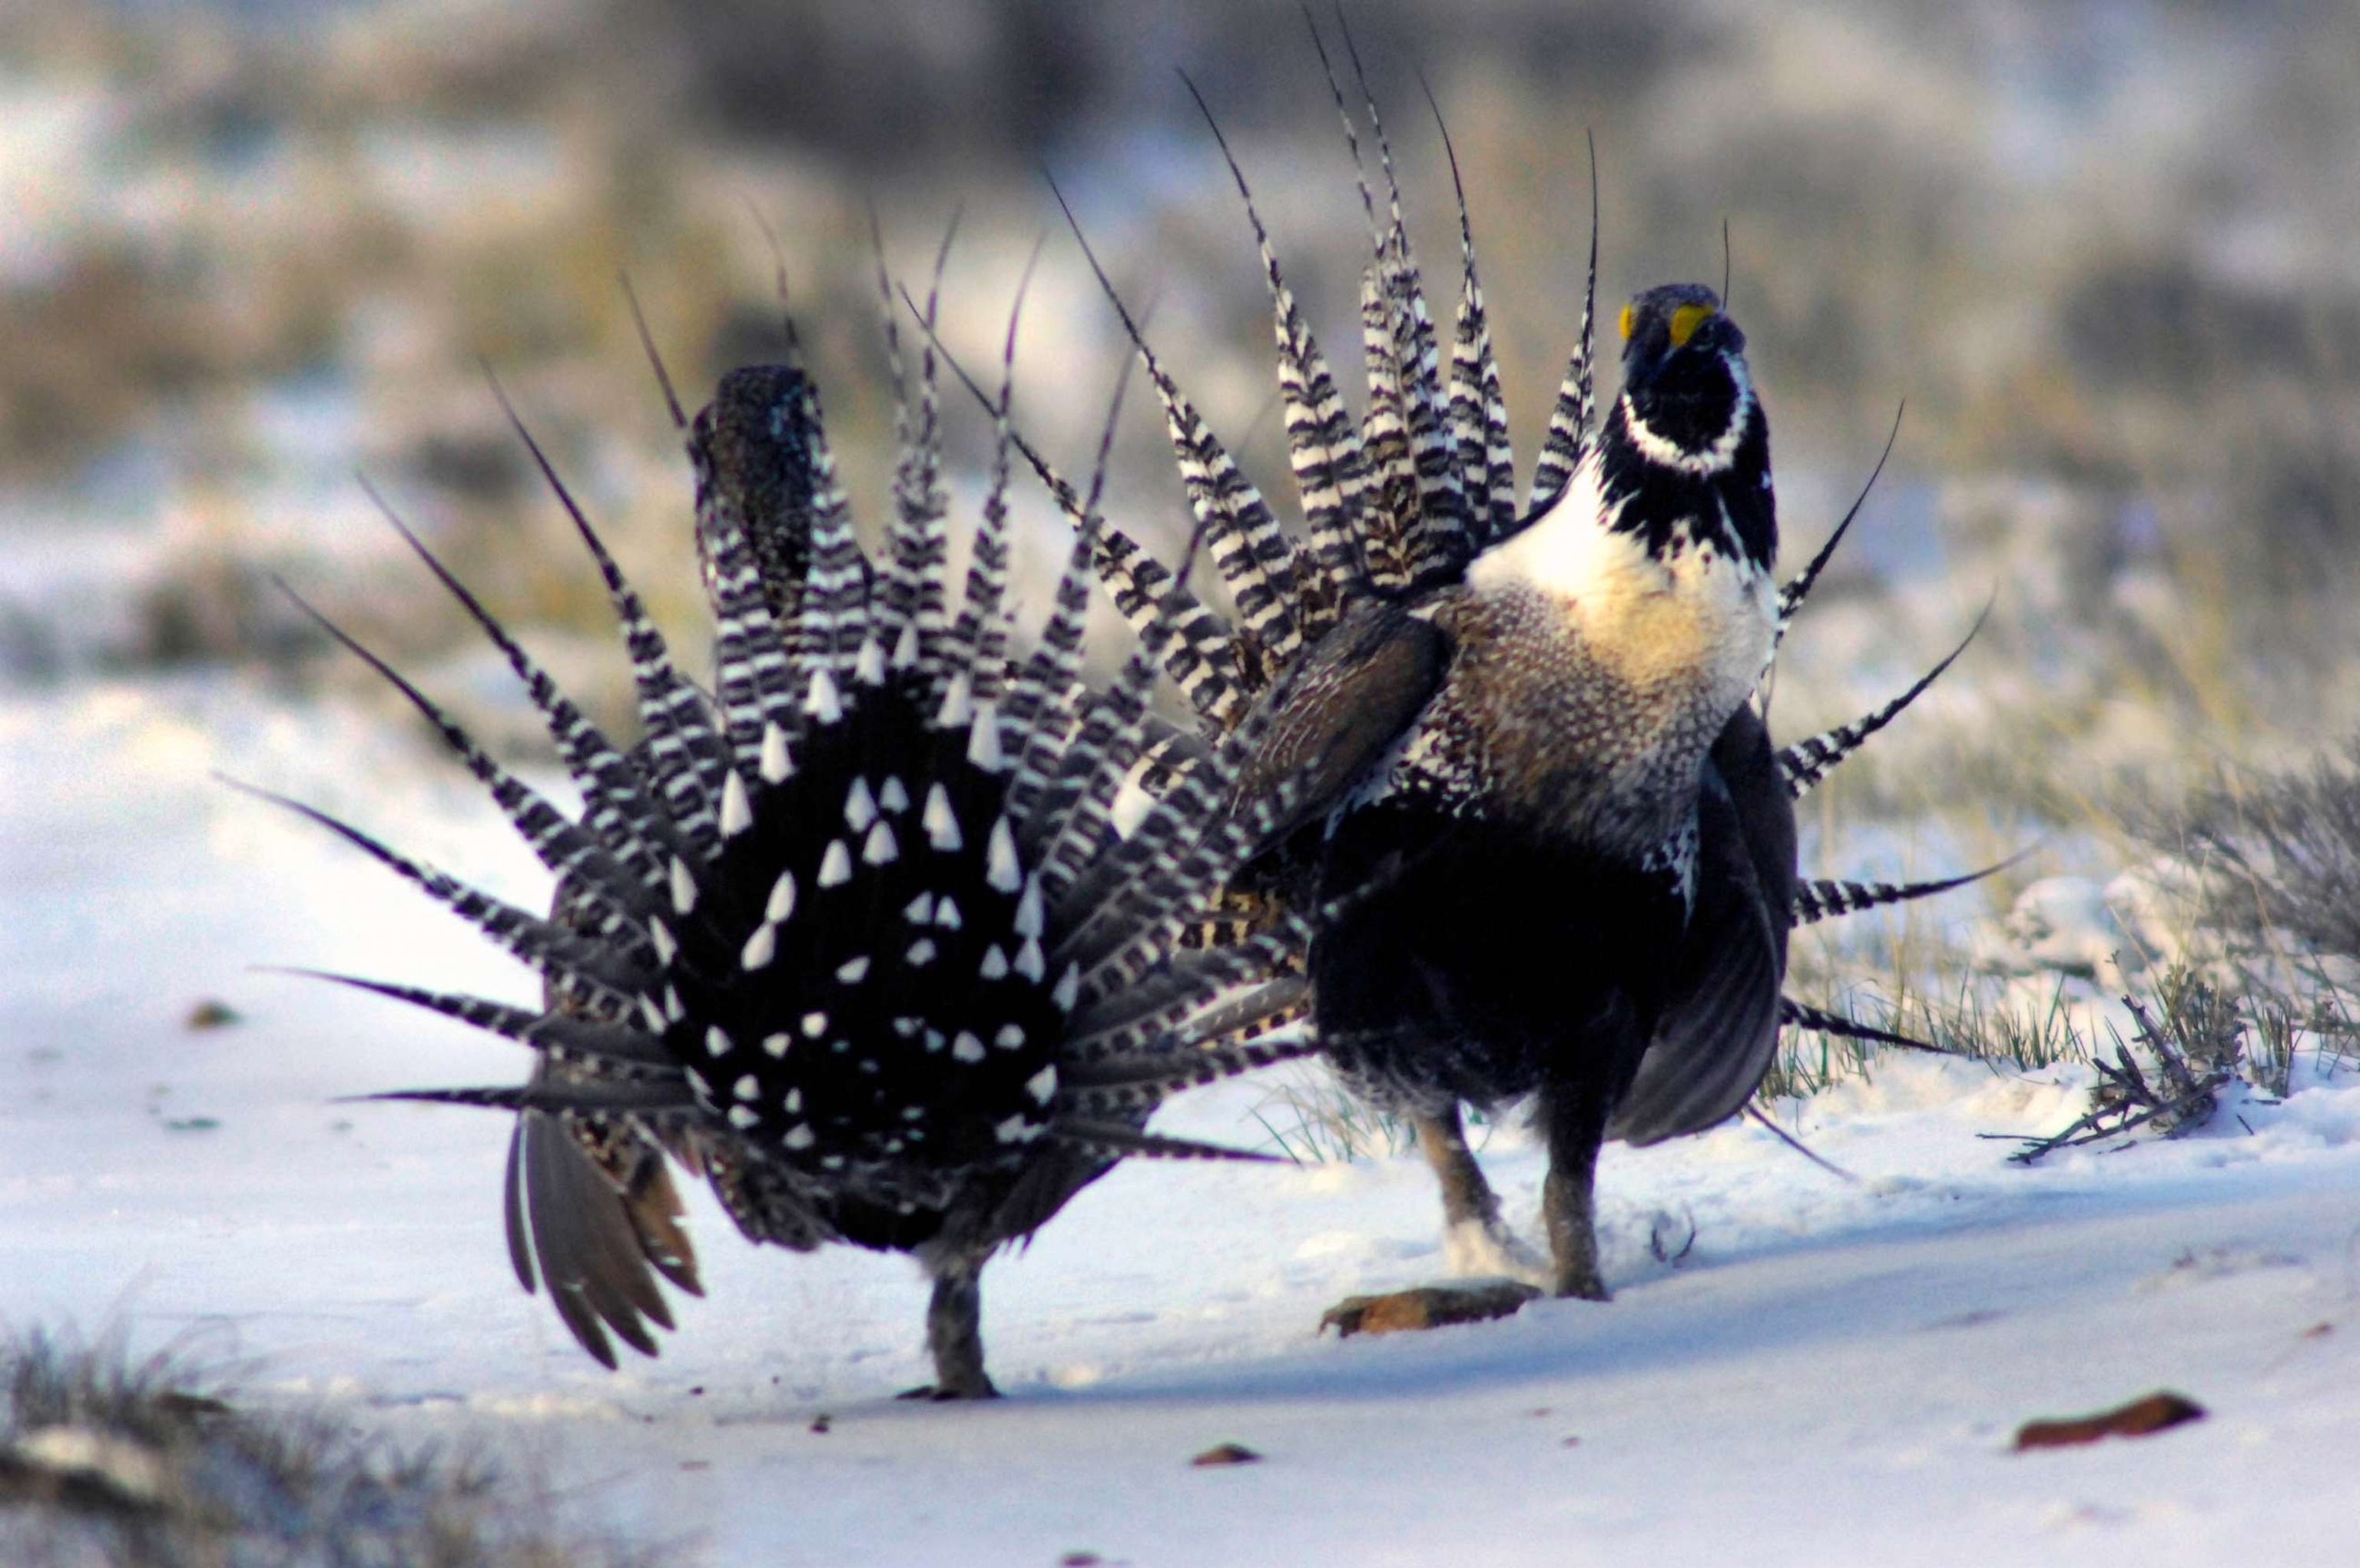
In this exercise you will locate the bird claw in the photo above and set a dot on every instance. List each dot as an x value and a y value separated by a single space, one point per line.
935 1393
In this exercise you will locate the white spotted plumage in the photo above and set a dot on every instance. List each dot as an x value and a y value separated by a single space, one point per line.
835 882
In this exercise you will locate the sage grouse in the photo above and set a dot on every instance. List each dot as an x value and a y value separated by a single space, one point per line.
850 935
1545 842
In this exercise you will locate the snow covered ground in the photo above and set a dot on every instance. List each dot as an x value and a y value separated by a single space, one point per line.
1832 1373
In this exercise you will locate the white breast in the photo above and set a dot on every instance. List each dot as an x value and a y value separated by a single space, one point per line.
1700 615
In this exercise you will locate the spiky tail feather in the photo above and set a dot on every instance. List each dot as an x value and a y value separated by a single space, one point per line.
811 918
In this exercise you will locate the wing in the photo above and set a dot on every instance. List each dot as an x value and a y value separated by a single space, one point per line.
1718 1033
1748 766
589 1200
1346 706
596 1209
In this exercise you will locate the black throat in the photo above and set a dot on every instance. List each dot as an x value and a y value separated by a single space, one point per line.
1678 481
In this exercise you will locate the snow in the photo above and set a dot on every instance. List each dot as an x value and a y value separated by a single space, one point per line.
1830 1373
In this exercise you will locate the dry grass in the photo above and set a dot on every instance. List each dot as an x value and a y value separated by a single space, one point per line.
107 1458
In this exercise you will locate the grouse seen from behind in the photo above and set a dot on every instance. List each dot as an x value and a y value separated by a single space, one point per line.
850 935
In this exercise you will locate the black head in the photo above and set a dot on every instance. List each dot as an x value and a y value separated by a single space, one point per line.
1688 417
1677 344
754 448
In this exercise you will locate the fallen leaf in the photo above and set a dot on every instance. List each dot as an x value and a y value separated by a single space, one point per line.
1227 1453
2138 1418
1427 1307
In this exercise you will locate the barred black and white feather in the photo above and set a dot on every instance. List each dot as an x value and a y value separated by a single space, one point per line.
850 934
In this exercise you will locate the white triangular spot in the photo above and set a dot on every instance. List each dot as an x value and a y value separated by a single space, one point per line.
956 703
983 739
1000 869
919 910
947 913
1011 1131
1029 962
684 886
736 811
1069 989
717 1042
775 1045
1028 908
776 765
1010 1035
761 948
905 647
852 972
652 1014
815 1025
880 849
672 1009
746 1088
1042 1085
869 669
744 1120
966 1048
782 899
698 1081
921 953
836 866
799 1136
907 1026
821 701
860 806
942 827
666 949
934 1040
893 796
794 1103
995 963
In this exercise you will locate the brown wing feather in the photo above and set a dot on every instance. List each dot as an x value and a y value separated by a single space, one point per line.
1346 706
589 1201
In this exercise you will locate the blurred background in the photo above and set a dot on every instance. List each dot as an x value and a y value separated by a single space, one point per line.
2101 250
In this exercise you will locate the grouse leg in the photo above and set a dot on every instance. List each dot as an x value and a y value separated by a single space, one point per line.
1575 1119
954 1330
1474 1240
1474 1244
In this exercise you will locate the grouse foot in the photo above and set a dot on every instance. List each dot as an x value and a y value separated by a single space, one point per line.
1429 1307
938 1394
1474 1248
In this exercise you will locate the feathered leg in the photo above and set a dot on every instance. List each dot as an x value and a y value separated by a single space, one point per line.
1575 1121
1474 1241
955 1329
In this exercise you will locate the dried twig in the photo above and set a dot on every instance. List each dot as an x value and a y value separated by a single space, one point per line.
2196 1048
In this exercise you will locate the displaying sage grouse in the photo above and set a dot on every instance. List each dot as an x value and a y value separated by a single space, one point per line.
850 935
1545 842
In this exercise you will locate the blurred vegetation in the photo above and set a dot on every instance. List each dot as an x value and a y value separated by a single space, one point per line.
2103 252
